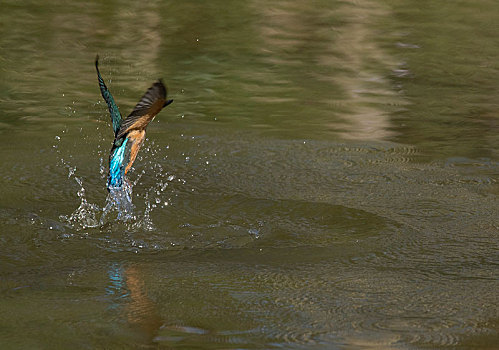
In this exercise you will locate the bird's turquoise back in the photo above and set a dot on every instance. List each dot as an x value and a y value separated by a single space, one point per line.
117 163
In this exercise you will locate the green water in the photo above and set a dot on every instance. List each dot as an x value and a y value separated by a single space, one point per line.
325 179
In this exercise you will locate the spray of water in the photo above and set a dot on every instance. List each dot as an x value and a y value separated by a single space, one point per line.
86 214
119 199
118 207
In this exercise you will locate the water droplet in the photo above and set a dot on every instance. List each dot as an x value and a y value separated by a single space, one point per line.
254 232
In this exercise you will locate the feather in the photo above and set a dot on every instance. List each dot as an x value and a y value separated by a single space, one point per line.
106 94
146 109
117 161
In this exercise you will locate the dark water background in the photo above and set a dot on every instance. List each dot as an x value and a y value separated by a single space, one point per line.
325 179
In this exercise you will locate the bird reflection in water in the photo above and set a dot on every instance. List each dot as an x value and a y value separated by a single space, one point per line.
128 294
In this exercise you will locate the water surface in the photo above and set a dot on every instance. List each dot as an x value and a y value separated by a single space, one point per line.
325 179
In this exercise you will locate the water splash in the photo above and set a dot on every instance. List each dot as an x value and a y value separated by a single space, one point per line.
85 215
90 215
118 207
119 199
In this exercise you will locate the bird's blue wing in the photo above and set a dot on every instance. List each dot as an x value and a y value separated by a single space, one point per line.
106 94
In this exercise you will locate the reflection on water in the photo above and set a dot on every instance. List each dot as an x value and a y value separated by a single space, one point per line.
128 296
327 179
141 311
336 42
116 289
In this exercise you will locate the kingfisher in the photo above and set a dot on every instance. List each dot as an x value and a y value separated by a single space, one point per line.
129 133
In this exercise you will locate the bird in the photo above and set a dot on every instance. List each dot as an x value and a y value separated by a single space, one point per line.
129 133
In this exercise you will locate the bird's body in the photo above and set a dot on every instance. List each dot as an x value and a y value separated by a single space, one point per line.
129 133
